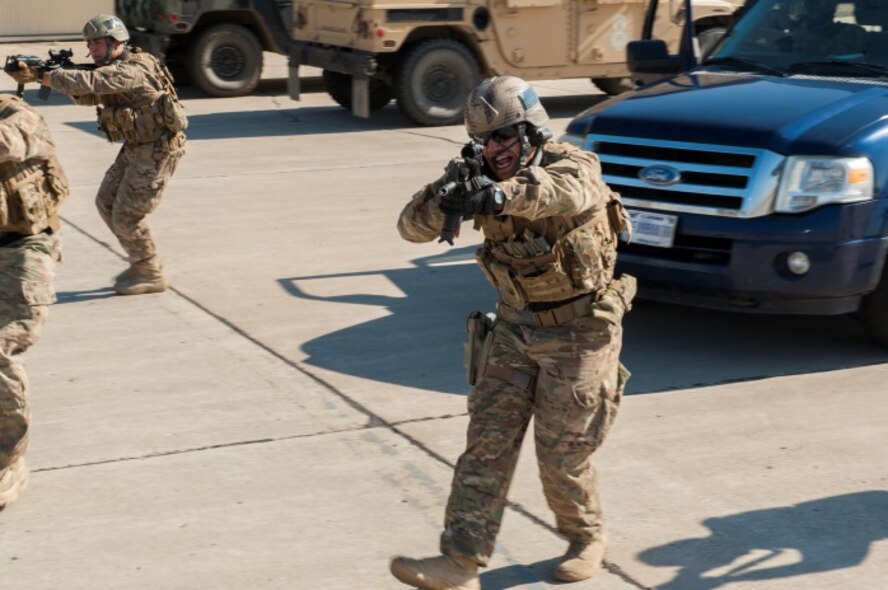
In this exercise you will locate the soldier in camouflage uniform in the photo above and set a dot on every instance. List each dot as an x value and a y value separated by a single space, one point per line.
32 186
550 227
136 104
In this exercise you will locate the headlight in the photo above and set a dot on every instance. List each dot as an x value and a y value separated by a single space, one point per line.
573 138
810 182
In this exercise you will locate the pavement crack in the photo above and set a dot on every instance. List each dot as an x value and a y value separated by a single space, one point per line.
239 443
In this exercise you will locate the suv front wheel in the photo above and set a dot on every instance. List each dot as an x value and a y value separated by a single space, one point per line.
433 81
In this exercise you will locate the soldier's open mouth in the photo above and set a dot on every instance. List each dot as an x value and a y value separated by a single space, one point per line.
505 160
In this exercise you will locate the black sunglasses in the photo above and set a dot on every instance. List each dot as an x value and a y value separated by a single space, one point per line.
500 135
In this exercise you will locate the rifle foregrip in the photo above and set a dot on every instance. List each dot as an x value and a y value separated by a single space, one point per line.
450 230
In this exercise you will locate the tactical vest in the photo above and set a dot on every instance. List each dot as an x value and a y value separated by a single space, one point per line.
551 259
157 114
30 192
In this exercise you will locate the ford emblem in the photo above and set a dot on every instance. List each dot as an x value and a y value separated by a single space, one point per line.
660 175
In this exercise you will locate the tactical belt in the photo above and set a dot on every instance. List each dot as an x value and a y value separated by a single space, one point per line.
548 318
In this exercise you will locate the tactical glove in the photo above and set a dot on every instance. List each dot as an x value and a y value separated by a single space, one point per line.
486 198
25 73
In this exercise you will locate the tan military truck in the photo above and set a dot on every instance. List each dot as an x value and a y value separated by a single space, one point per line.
428 54
216 44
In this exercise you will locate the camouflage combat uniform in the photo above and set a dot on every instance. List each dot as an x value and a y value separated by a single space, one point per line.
553 352
32 186
137 104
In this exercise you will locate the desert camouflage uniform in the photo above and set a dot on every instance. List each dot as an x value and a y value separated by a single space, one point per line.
32 185
130 94
566 375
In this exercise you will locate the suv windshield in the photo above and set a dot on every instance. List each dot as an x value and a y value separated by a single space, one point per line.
823 37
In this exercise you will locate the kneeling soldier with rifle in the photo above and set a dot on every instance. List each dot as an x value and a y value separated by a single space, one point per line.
550 227
137 105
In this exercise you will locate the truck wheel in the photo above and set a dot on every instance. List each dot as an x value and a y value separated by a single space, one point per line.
226 60
339 87
434 80
707 38
613 86
874 312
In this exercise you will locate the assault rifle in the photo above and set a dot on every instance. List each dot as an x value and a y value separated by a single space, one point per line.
57 59
469 179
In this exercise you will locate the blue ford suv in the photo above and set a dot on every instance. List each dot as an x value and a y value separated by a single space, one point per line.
757 178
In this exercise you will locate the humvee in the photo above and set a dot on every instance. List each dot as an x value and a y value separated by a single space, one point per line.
216 44
428 54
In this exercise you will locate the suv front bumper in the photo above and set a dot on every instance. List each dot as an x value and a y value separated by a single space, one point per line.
740 264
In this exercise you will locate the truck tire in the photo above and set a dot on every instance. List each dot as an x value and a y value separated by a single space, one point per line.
226 60
874 312
707 38
433 81
339 88
613 86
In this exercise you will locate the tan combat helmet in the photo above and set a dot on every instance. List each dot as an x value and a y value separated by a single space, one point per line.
502 101
105 25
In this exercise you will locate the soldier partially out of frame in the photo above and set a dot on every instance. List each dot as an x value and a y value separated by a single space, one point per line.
32 186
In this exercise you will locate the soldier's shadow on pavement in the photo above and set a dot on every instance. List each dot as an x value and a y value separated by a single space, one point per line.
419 342
807 538
63 297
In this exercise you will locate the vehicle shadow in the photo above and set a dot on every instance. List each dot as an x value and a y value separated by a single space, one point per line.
810 537
666 346
321 120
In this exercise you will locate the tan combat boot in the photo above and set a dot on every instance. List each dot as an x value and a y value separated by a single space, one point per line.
140 278
12 482
582 561
437 573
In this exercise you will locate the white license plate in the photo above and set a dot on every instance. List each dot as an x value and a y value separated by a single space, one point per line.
653 229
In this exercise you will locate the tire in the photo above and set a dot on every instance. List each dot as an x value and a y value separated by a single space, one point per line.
339 88
433 81
707 38
613 86
226 60
874 312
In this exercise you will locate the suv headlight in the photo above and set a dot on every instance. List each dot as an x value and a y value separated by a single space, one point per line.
810 182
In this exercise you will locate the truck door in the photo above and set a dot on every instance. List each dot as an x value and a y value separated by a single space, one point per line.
604 27
533 33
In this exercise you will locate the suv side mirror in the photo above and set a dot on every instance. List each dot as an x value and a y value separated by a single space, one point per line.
649 61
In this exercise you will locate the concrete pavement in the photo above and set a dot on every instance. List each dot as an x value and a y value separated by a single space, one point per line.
288 415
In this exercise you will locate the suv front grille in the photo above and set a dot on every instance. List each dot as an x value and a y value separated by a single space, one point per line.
711 179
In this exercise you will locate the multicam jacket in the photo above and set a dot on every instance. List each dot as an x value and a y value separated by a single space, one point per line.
136 100
32 182
556 236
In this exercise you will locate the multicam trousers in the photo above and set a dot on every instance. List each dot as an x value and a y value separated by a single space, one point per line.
27 268
570 380
132 189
